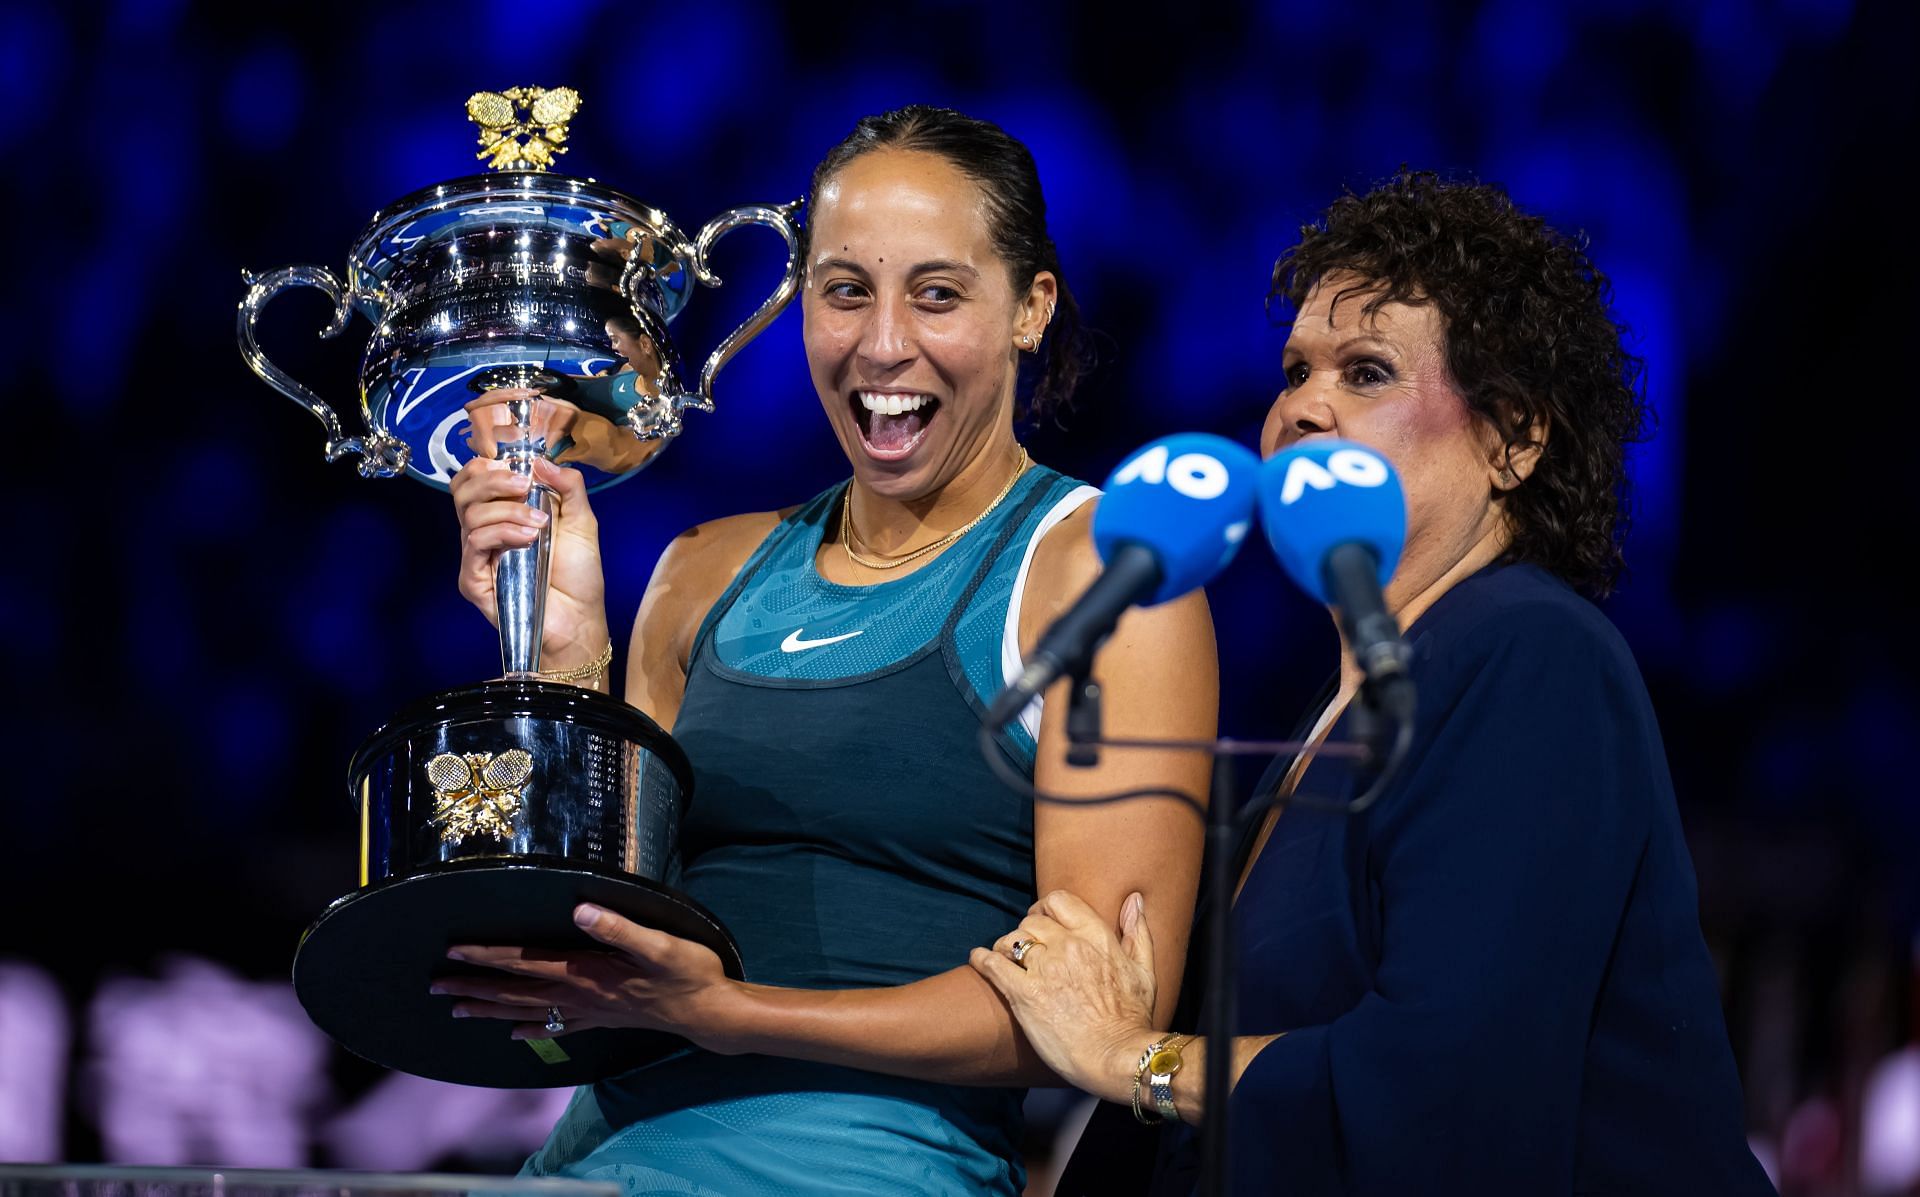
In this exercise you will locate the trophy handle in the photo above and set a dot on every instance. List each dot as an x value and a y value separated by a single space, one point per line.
381 456
781 220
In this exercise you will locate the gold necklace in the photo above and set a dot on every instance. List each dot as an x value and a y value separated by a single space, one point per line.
846 525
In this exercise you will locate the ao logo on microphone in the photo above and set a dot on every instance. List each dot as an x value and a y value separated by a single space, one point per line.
1355 467
1189 498
1195 475
1322 494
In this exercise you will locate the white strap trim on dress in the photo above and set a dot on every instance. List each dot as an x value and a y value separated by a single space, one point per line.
1011 666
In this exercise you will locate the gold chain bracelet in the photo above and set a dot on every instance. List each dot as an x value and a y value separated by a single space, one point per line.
1140 1082
1153 1078
588 671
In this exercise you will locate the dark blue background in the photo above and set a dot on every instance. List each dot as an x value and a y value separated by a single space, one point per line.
205 618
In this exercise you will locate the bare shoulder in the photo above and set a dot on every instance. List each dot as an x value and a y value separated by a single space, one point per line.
691 574
1064 564
698 564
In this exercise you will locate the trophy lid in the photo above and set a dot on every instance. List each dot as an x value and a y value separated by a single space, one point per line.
520 272
522 130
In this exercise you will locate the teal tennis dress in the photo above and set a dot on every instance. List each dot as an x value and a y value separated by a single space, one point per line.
845 828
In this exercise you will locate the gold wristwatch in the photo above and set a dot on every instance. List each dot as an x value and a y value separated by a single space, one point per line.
1157 1066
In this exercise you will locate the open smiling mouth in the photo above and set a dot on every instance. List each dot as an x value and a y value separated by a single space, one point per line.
892 423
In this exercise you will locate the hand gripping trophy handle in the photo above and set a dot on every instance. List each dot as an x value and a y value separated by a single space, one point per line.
380 456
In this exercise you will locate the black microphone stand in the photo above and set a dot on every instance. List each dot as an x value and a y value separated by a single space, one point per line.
1221 1014
1083 722
1374 711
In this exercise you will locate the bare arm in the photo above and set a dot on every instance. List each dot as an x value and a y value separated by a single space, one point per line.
1088 1002
1159 671
1160 676
694 570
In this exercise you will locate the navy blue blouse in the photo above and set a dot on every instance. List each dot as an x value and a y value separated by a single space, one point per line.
1492 981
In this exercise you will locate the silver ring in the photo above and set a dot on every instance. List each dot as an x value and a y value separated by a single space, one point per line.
555 1023
1020 949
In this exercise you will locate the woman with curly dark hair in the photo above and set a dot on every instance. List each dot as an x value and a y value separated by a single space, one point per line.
1492 981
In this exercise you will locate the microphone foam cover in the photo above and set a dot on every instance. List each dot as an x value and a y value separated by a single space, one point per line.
1324 493
1188 498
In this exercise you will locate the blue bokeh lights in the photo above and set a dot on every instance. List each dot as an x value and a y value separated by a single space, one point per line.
216 603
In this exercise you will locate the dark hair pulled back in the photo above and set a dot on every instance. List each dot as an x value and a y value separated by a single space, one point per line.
1016 221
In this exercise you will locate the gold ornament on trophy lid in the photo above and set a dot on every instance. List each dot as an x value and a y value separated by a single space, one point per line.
502 125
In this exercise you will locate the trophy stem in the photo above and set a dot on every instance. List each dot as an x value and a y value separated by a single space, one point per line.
520 575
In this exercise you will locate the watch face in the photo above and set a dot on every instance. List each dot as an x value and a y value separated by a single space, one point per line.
1166 1060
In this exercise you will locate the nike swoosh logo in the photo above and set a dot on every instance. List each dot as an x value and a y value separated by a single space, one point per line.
793 643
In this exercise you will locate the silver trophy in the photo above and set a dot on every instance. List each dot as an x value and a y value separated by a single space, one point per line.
486 813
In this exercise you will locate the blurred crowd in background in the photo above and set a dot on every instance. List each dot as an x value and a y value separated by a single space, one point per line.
207 617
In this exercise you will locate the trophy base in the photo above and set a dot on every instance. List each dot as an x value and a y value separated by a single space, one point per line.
363 969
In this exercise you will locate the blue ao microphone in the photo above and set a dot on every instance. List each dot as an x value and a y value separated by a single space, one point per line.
1336 518
1170 517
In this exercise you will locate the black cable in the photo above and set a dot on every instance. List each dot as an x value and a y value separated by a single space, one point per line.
1012 778
1402 742
1223 826
1396 755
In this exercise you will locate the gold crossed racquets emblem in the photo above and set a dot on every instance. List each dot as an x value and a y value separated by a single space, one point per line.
478 793
498 113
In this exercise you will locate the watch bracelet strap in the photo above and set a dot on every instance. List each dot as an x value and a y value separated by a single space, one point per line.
1160 1084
